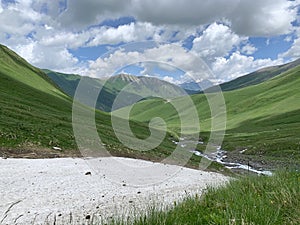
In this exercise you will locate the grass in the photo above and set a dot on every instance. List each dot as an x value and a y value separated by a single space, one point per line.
33 110
263 118
35 116
249 200
257 77
112 87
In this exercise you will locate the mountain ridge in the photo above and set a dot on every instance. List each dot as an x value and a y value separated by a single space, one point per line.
131 86
256 77
36 119
262 118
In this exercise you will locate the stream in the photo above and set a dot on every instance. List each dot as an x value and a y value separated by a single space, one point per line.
219 156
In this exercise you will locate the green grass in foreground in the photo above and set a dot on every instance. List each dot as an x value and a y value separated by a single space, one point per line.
249 200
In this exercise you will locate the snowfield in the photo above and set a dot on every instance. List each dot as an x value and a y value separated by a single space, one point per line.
77 191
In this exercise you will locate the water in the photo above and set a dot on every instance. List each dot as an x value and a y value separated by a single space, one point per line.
219 155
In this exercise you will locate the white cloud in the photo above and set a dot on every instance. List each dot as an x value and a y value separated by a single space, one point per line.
124 33
168 54
288 38
67 39
248 49
170 79
150 67
55 29
1 9
216 41
19 19
47 56
293 52
237 65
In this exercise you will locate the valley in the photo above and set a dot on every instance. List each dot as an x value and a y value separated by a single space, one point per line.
262 119
37 134
142 112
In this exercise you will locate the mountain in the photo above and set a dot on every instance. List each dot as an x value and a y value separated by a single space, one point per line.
133 88
262 118
257 77
36 116
67 82
33 110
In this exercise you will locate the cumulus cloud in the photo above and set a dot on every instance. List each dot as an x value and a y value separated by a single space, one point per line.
18 18
169 54
216 41
124 33
170 79
47 56
43 31
247 17
149 68
263 18
237 65
67 39
248 49
293 52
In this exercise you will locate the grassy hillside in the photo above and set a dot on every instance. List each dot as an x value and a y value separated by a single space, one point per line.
34 112
36 116
69 82
111 87
263 118
258 77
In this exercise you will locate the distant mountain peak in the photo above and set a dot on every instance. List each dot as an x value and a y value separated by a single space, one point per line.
124 77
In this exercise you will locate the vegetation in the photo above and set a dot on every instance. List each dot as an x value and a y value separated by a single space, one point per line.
258 77
263 118
36 113
249 200
69 82
35 116
112 87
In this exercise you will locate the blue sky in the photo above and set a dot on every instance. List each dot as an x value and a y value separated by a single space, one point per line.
230 37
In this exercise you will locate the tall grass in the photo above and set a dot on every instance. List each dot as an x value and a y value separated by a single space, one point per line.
249 200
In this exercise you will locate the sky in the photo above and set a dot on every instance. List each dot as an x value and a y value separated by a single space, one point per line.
173 41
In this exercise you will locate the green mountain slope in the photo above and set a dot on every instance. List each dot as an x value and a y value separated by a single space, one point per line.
36 116
263 118
258 77
111 88
67 82
34 112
